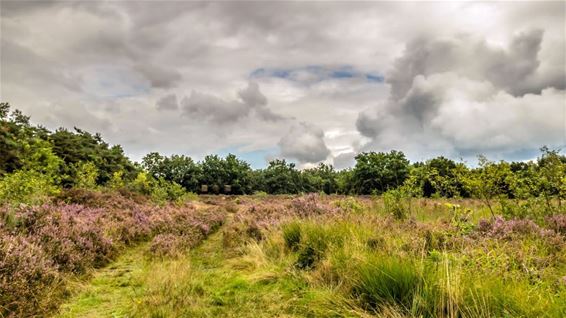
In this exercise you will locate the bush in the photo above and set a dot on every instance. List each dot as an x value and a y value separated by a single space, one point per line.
27 275
27 186
396 204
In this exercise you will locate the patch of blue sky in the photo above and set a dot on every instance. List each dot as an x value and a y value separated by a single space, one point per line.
320 73
111 82
261 72
375 78
257 158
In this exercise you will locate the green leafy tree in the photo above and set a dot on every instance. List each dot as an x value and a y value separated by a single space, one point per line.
436 178
319 179
281 177
238 173
82 146
489 181
551 177
86 174
379 172
177 168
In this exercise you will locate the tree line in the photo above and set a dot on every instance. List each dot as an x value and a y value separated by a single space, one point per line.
36 162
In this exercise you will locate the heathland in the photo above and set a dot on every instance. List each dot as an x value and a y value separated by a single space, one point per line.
86 232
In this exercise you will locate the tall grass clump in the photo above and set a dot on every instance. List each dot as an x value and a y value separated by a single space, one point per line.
292 235
387 282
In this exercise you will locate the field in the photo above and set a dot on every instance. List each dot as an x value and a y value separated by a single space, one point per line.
105 254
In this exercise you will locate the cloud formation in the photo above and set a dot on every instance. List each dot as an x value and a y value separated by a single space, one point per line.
167 102
464 97
452 78
304 143
201 106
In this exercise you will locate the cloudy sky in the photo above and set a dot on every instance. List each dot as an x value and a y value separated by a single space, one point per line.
307 81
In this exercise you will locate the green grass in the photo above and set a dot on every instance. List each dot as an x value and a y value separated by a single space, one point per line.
205 282
111 290
361 264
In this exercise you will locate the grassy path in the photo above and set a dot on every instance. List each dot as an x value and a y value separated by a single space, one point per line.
209 281
111 290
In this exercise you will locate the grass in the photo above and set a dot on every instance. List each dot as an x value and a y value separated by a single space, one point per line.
109 293
364 262
207 281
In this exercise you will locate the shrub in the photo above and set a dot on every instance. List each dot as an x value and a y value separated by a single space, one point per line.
308 257
30 187
27 275
350 205
557 223
396 204
86 175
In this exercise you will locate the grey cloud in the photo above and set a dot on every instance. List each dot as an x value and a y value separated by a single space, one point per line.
167 102
159 47
252 96
305 143
344 160
256 101
158 76
447 112
512 70
465 96
202 106
214 109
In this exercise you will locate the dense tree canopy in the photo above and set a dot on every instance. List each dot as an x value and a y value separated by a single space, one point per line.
35 160
379 172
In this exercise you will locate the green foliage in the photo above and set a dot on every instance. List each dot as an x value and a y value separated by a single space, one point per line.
379 172
292 235
397 203
81 146
218 173
319 179
86 175
551 181
117 180
27 186
437 178
179 169
281 177
160 190
490 181
350 204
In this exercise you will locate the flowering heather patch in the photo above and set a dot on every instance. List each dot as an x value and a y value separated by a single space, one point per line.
40 243
310 205
183 231
557 223
501 228
27 274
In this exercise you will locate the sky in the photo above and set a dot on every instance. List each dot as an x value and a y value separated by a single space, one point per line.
306 81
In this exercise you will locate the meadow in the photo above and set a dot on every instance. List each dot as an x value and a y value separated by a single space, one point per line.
111 254
86 232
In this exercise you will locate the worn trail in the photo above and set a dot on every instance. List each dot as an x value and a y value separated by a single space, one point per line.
208 281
